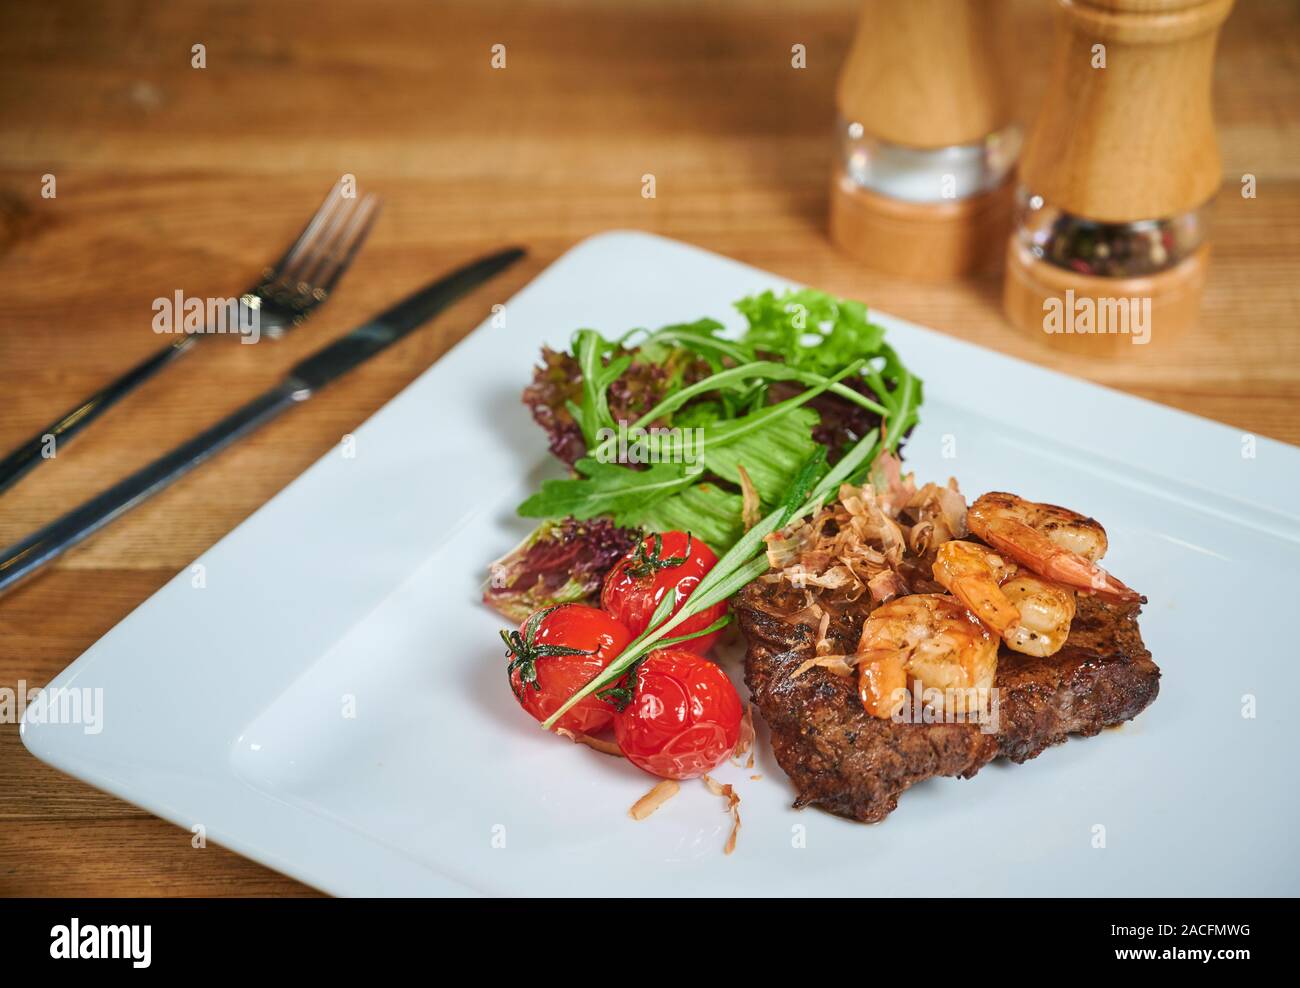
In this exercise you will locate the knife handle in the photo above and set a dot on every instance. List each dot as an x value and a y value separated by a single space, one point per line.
27 454
25 557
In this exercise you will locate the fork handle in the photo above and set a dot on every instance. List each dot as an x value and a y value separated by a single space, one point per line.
29 453
24 558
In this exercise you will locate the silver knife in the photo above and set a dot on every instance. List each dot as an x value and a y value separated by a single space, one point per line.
308 376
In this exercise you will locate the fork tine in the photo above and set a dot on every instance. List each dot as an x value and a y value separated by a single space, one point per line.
302 270
308 232
340 259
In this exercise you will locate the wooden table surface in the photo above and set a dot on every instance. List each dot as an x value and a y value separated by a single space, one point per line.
173 177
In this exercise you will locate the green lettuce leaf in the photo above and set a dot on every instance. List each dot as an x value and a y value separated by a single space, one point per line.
705 510
771 456
809 329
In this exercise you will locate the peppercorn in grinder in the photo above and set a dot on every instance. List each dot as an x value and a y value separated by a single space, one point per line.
1109 246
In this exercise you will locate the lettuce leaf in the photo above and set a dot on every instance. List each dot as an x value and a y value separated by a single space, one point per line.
561 562
766 402
809 329
705 510
771 456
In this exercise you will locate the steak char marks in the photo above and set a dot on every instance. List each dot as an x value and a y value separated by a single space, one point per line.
855 765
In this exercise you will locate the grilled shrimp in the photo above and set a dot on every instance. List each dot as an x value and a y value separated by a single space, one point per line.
974 575
933 638
1045 609
1056 543
1031 614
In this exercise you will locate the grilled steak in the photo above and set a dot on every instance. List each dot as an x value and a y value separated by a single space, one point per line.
856 765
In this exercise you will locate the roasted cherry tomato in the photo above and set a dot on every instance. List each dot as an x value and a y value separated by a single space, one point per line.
553 655
682 717
660 563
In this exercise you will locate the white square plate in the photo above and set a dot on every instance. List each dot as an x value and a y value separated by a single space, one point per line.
356 591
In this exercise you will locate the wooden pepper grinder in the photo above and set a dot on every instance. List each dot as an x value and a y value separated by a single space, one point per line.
1110 242
921 186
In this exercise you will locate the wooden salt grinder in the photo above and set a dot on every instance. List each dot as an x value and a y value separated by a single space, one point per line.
921 186
1117 172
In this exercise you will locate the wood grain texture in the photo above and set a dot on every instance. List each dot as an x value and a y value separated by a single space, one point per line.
1173 297
933 241
172 177
1127 131
929 73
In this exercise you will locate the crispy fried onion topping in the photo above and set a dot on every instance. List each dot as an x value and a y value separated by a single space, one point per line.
751 509
733 807
858 544
840 665
595 744
745 742
654 799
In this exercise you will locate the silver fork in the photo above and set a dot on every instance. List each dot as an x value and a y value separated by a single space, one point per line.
285 295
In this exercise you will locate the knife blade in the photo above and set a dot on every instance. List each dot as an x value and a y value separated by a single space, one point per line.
25 557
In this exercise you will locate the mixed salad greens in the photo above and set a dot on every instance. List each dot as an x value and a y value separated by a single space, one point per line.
684 428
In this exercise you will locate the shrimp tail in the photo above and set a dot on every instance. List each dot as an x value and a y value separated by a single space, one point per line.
1034 550
1086 577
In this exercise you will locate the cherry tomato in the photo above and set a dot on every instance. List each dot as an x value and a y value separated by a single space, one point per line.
683 718
553 655
659 564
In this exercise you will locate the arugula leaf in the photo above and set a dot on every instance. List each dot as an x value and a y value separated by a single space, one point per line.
606 488
727 432
699 414
702 338
591 349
